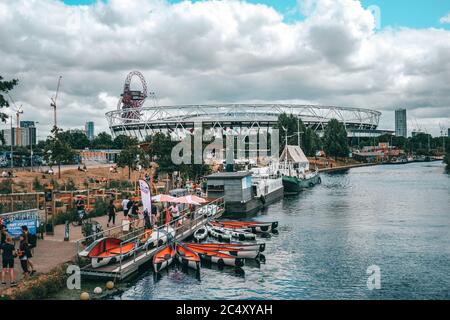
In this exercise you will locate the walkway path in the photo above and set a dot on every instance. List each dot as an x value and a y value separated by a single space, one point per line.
53 250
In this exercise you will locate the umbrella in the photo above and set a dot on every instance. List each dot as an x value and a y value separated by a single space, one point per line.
190 200
164 198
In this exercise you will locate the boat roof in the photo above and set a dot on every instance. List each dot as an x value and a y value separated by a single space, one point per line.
294 154
228 175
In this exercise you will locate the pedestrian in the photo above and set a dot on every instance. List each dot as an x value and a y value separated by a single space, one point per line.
23 254
29 239
155 214
174 211
111 213
126 208
148 223
134 214
3 233
8 255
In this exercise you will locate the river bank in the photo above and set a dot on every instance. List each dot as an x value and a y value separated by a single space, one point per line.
395 217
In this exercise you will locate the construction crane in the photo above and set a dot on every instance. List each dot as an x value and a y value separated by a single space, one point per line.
18 111
53 103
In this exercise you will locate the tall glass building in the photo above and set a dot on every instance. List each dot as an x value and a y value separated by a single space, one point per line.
89 128
401 129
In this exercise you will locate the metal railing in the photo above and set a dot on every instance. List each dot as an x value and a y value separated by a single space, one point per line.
182 224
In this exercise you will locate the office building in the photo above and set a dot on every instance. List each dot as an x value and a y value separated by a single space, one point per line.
401 129
89 128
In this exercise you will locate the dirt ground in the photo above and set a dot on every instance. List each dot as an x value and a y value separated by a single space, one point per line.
23 180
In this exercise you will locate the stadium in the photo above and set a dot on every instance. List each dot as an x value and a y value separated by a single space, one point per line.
132 118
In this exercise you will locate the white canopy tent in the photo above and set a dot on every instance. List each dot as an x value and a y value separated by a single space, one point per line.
295 155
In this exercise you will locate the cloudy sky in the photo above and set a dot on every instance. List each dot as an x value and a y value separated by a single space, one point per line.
378 54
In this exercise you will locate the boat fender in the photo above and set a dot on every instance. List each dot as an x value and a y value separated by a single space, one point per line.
264 228
220 263
319 180
241 237
220 237
311 184
160 242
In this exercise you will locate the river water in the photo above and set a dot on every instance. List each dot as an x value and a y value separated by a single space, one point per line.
394 217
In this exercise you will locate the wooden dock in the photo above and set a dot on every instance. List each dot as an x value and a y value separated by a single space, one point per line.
128 267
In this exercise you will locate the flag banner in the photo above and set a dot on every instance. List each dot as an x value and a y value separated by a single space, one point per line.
146 196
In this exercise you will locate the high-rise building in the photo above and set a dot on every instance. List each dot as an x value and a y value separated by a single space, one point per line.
401 129
89 128
27 136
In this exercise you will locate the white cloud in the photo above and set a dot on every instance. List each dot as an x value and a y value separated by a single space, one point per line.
219 51
445 19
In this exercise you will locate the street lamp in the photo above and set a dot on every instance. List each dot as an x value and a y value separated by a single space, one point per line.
31 148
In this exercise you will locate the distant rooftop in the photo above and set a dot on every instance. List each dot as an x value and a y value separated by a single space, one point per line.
229 175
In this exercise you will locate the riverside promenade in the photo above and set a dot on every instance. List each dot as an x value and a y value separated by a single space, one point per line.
347 167
50 253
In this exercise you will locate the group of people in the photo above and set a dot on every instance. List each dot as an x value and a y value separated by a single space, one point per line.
7 174
10 253
84 169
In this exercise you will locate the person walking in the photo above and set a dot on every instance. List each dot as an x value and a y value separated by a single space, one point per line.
134 214
148 223
125 206
27 237
3 233
8 255
23 254
111 213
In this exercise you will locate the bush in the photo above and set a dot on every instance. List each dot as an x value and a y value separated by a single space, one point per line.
6 186
70 185
69 215
100 208
55 184
37 186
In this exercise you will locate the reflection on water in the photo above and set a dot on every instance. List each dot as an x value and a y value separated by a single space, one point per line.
396 217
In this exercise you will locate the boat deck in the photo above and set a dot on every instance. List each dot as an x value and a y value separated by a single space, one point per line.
128 267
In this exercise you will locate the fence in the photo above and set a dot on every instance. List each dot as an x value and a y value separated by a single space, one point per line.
181 224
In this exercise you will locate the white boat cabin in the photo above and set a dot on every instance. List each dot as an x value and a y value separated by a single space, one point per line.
293 161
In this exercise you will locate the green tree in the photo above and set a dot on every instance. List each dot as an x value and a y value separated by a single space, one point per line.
290 125
122 141
5 87
58 151
76 140
131 156
335 139
311 142
102 141
160 151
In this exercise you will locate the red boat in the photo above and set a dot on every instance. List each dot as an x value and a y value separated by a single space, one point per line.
188 257
163 258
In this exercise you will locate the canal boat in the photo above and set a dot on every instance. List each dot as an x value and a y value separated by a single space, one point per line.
267 184
238 252
163 258
222 259
201 234
187 257
238 246
219 233
109 250
295 170
253 226
155 238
